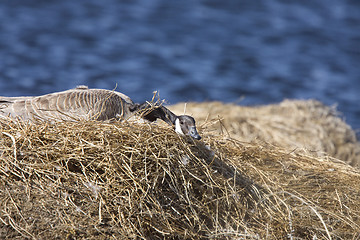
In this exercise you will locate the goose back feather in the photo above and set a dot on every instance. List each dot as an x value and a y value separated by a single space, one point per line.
73 104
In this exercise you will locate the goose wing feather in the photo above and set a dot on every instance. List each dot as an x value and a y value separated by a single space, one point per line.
74 104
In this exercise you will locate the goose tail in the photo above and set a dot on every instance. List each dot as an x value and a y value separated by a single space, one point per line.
13 99
13 107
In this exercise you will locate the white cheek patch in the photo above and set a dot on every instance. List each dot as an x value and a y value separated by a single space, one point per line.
178 127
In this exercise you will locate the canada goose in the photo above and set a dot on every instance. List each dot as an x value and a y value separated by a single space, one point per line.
97 104
183 124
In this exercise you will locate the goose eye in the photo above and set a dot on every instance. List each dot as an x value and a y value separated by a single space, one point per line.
181 122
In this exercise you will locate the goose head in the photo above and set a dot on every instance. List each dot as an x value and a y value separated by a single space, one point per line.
185 125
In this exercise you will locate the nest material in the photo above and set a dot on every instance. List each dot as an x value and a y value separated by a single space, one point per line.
94 180
308 127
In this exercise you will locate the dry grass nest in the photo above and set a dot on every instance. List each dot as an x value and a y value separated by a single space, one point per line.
305 126
126 180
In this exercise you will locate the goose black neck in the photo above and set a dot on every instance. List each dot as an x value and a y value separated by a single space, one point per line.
168 116
151 113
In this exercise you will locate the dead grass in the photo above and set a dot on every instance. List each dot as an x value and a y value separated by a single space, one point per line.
94 180
304 126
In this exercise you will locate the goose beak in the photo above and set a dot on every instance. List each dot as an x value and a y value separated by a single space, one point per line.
194 134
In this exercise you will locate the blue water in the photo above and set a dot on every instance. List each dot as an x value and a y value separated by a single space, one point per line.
249 52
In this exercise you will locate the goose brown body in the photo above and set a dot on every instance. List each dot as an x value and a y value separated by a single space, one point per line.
91 104
73 104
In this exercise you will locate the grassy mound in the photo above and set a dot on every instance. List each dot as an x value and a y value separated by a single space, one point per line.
93 180
303 126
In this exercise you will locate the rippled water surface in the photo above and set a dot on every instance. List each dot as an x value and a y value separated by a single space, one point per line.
190 50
